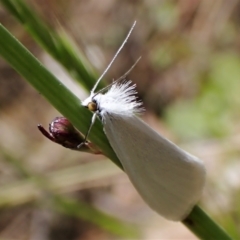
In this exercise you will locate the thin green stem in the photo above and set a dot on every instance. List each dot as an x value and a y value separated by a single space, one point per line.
204 227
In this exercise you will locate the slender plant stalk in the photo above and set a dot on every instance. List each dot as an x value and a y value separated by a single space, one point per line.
64 101
203 226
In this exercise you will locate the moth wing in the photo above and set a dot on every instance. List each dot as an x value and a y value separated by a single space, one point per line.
169 179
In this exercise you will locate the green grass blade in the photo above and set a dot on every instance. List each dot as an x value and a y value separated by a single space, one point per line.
55 43
53 90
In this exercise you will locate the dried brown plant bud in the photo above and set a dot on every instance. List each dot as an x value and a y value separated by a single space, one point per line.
62 131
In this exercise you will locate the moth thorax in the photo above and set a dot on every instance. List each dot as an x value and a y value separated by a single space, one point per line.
92 106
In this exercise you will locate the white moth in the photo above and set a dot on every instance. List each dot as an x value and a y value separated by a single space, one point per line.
169 179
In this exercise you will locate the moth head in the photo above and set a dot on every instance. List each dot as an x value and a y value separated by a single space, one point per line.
92 106
90 103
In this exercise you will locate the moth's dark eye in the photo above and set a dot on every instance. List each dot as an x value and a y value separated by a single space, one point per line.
92 106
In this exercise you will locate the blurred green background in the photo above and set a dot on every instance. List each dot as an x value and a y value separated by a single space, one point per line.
189 81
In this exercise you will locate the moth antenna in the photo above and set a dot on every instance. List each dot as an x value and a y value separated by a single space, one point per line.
119 79
110 64
130 69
